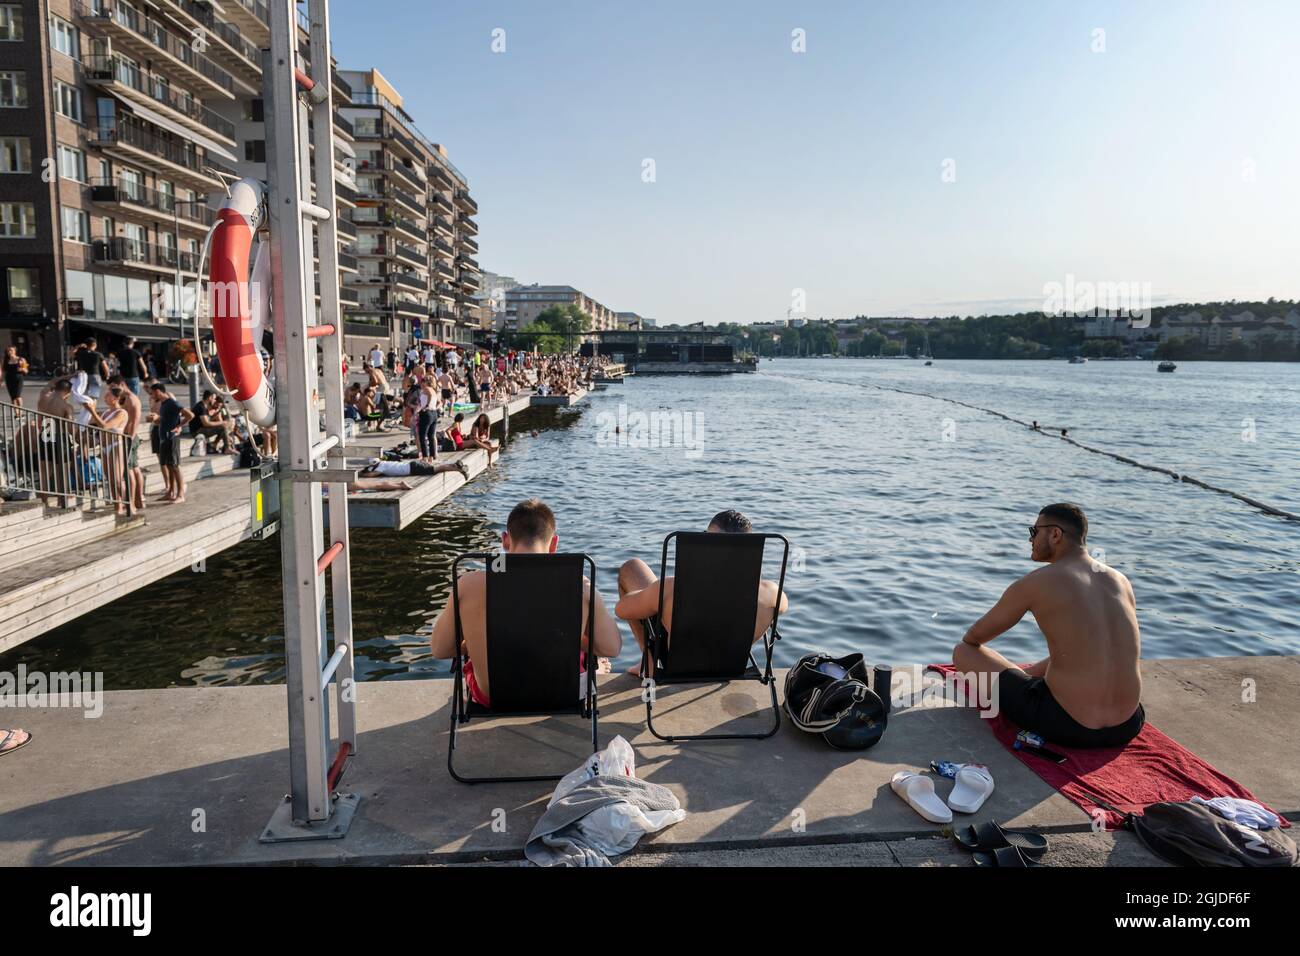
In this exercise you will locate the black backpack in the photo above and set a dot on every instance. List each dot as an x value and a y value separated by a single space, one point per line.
1192 834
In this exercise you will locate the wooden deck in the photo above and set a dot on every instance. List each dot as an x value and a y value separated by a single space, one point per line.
57 566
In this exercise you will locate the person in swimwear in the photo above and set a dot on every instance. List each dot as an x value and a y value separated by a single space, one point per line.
1086 692
638 589
530 529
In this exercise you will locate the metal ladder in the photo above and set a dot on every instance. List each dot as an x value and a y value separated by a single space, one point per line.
307 460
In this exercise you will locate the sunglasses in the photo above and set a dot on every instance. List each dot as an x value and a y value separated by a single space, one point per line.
1035 528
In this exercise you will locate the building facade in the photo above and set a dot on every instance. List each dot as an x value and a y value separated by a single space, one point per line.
416 244
526 302
120 123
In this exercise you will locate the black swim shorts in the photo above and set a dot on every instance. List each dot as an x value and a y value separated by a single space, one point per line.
1028 702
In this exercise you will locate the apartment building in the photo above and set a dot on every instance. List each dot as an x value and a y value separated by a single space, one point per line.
417 272
526 302
112 144
119 123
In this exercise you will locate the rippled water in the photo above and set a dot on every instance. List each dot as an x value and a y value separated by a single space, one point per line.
907 514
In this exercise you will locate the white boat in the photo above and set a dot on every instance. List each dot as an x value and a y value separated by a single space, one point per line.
1078 360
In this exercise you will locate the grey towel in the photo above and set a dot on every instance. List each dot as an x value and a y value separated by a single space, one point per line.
556 840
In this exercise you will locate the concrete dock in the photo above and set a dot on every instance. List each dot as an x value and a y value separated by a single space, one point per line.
190 776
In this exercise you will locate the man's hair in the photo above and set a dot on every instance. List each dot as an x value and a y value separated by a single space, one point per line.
531 520
90 341
732 522
157 387
1070 517
63 385
130 341
116 379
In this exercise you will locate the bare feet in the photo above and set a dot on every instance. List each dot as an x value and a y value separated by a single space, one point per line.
178 501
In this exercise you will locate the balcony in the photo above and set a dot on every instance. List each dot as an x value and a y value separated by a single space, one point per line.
129 198
230 48
443 269
348 296
345 193
137 34
440 176
407 175
444 247
468 226
366 328
467 243
117 76
341 86
342 123
132 253
407 254
469 206
251 17
409 280
347 261
131 140
407 227
344 228
406 199
395 135
438 201
444 225
470 280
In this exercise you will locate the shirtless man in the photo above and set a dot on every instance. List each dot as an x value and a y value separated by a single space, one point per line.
1085 693
530 529
638 590
134 474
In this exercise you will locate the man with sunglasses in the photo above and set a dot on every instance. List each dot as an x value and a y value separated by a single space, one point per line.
1085 693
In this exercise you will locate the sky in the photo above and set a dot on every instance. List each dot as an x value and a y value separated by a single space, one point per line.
918 158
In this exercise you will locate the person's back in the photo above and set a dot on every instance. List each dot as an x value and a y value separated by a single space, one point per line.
530 529
1088 615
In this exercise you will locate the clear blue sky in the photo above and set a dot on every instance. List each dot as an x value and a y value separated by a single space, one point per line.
1170 158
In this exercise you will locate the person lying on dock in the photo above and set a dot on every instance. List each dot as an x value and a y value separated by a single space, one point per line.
530 529
1086 692
379 473
638 590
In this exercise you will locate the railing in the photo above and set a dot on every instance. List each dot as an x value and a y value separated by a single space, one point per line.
401 195
124 249
128 132
409 254
406 226
342 123
410 280
442 223
342 191
128 17
439 200
98 68
61 462
227 31
443 245
347 260
124 191
344 227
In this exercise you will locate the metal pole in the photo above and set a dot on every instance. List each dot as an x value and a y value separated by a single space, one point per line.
301 521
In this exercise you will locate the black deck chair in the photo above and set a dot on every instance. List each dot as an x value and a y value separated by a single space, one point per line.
715 605
534 643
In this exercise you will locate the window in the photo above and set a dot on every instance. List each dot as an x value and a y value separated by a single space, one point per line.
72 163
64 37
115 304
76 225
24 290
255 150
67 101
253 111
13 88
11 21
166 195
18 220
15 154
131 182
136 241
80 287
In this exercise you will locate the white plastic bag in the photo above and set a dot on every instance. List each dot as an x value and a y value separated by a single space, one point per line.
616 829
616 760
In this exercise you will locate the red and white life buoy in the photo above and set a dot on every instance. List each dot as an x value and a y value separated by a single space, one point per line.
239 301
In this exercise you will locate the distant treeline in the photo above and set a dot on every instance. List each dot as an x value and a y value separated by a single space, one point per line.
1027 335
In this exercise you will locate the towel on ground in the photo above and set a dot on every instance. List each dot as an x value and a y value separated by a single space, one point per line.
1150 768
600 818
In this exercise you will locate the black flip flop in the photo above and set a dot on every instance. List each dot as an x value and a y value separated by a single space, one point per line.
1006 857
990 836
8 735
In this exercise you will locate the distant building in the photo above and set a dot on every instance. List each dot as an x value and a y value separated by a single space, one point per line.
526 302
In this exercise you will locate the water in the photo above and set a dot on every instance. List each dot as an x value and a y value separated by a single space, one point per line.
907 515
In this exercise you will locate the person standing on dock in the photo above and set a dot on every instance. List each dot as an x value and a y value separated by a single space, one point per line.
169 417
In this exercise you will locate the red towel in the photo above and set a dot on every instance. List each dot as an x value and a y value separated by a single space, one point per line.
1150 768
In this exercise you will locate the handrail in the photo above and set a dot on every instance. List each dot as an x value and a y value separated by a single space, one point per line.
56 458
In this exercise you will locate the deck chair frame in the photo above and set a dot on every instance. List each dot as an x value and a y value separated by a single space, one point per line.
656 647
463 709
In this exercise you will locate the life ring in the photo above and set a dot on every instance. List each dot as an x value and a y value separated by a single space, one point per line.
239 303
